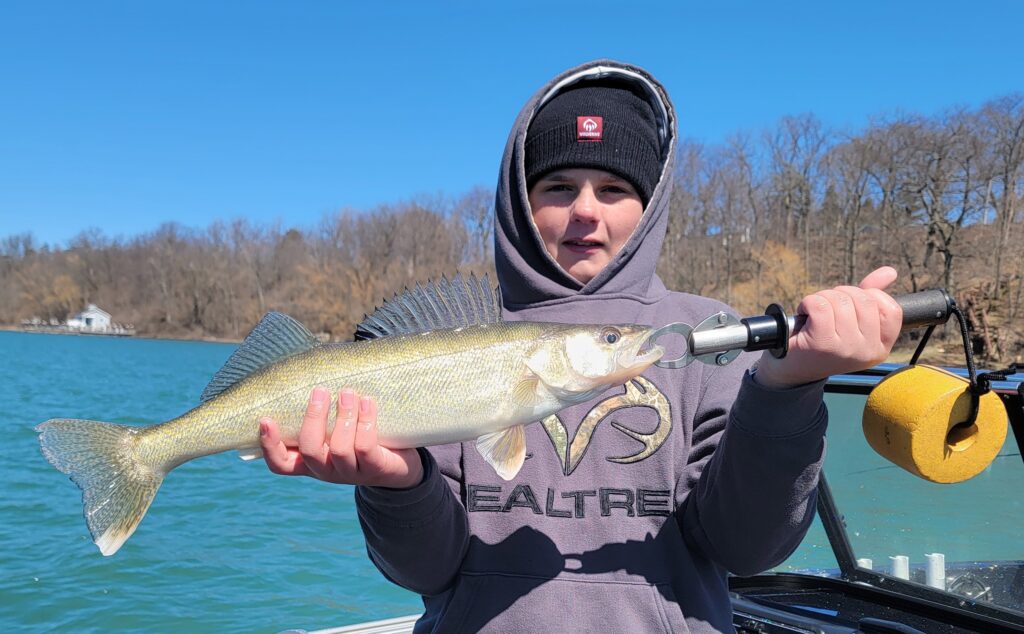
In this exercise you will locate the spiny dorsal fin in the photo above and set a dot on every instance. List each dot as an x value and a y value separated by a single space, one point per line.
276 337
444 304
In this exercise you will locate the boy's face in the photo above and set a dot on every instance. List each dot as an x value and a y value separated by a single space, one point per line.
584 216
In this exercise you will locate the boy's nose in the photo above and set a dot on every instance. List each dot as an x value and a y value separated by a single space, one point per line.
584 208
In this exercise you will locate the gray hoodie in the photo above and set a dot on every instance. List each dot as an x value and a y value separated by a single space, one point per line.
631 508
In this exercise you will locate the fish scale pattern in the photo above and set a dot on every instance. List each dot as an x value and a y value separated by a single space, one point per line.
442 386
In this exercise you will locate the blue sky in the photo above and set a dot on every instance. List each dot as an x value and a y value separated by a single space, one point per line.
125 115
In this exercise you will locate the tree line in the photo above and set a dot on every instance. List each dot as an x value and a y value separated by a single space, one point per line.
763 217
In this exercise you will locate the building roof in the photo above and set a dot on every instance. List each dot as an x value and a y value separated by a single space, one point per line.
93 309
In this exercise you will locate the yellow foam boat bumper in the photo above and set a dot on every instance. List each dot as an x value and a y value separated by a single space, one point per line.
914 418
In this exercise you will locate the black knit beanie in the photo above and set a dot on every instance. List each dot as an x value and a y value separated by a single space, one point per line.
602 127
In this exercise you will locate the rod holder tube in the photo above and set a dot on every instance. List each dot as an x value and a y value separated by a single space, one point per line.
935 571
900 566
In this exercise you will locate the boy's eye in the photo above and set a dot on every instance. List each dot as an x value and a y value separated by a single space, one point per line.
559 187
618 188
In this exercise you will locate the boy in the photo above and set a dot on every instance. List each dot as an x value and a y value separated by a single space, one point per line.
634 506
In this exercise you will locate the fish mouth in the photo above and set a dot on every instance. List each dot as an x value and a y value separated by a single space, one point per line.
642 354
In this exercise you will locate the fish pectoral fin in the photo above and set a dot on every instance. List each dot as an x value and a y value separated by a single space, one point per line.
250 453
525 392
504 450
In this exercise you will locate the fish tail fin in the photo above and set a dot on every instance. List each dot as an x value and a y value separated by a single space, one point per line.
102 459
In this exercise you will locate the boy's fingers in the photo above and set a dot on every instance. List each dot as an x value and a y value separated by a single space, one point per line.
820 316
313 434
890 316
368 454
277 456
865 311
844 317
890 313
341 446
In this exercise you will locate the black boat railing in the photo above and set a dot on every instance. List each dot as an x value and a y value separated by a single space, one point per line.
970 602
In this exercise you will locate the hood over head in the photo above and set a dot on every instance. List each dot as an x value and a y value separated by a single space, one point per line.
527 273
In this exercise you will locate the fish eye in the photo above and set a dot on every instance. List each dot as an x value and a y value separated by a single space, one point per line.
610 335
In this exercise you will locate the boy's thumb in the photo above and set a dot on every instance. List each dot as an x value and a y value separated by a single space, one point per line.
880 278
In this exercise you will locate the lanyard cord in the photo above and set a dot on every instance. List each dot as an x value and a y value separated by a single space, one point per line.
979 384
976 388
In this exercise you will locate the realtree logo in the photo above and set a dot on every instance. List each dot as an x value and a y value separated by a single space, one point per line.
639 393
589 128
638 502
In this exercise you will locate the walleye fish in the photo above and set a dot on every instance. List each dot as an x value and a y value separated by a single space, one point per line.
441 363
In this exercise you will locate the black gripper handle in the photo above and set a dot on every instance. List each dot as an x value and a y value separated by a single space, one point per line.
925 308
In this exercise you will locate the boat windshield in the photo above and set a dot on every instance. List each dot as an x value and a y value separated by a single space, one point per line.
890 526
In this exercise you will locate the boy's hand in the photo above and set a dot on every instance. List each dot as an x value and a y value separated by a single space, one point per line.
350 455
848 328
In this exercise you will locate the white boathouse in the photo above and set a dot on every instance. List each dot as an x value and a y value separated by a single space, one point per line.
92 319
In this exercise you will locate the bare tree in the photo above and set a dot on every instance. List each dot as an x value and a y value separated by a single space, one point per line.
475 209
1002 123
797 146
848 165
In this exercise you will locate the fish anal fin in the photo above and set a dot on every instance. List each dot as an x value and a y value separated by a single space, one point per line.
504 450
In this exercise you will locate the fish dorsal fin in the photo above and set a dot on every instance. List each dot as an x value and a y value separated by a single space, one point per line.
276 337
445 304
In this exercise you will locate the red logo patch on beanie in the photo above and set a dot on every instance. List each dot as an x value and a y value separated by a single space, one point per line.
589 128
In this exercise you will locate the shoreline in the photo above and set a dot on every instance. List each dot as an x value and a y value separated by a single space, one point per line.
152 337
